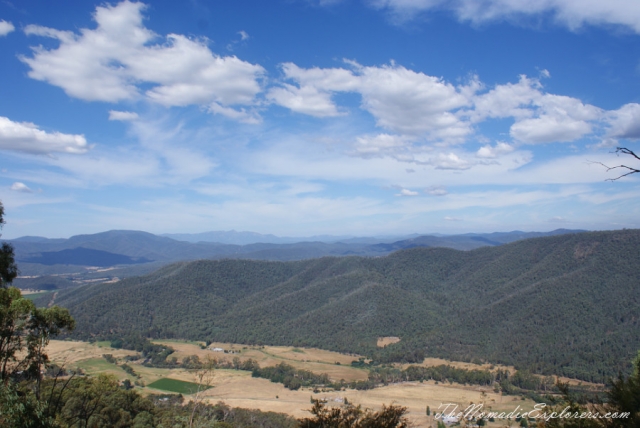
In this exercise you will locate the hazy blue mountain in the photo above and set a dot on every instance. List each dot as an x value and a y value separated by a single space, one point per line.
246 238
85 257
42 256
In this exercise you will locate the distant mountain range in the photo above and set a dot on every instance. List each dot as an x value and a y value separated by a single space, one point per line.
131 253
246 238
565 304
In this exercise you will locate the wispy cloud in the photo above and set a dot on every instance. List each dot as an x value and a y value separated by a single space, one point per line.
122 115
569 13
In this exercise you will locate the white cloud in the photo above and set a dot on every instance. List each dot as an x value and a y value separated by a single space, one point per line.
122 115
436 191
450 161
407 192
306 100
401 100
540 117
624 122
28 138
413 103
6 27
327 79
380 145
20 187
117 59
508 100
241 114
489 152
549 129
419 108
570 13
312 96
243 35
450 218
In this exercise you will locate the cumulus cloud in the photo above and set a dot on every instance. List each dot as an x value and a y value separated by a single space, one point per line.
306 100
408 102
117 59
507 100
492 152
124 116
315 87
6 27
559 119
570 13
28 138
624 122
401 100
417 108
540 117
548 129
20 187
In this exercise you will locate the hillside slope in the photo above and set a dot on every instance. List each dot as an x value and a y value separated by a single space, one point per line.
567 304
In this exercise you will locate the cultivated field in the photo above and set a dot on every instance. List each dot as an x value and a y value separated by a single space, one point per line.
238 389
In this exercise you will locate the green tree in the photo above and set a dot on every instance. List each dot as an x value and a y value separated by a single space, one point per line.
8 268
350 416
624 397
25 332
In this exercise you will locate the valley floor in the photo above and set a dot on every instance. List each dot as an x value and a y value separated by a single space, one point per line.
238 389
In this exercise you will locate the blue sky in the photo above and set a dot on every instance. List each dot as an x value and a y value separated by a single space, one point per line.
300 117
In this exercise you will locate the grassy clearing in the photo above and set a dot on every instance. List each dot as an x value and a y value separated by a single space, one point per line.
178 386
32 296
315 360
384 341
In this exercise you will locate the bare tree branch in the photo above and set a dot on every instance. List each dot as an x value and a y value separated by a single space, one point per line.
630 170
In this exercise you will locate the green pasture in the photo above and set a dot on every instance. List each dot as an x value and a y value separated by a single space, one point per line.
36 295
179 386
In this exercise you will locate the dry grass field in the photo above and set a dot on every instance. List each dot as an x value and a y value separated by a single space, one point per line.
384 341
70 352
312 359
238 389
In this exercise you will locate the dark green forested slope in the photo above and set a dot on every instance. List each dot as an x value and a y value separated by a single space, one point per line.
565 304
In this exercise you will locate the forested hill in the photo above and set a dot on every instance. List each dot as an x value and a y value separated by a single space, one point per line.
567 304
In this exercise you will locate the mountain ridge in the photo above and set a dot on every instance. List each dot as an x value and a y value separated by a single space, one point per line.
564 304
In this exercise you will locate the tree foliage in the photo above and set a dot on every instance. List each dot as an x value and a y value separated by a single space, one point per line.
351 416
25 331
8 267
621 405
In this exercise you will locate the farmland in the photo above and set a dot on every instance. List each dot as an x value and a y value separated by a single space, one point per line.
238 389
